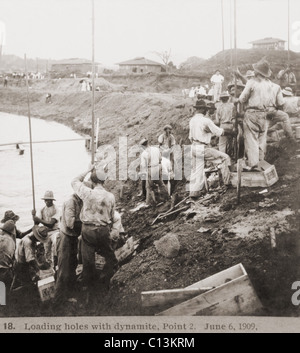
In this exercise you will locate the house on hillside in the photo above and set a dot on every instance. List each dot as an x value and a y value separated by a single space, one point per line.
269 43
141 65
67 67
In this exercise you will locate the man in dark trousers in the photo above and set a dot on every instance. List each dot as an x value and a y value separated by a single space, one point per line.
67 245
97 218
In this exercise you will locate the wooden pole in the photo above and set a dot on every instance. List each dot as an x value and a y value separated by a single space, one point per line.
223 45
288 40
231 56
93 83
30 135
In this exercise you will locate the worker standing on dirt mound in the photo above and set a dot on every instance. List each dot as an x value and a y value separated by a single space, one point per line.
261 100
201 130
67 246
225 119
166 143
97 216
217 79
151 171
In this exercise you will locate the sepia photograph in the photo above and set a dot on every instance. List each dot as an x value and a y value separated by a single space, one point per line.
150 175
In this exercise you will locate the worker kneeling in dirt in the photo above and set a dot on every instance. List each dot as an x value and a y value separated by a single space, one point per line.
151 171
27 268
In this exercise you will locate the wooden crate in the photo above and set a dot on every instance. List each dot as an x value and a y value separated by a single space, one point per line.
267 177
46 288
232 295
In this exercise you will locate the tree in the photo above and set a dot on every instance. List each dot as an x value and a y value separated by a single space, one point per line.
165 57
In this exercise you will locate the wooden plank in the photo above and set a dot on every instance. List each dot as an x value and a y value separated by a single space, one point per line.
170 296
126 250
220 277
236 297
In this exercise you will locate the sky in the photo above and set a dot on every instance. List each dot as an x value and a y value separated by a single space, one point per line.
125 29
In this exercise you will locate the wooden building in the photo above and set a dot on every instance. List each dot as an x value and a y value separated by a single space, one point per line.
141 65
269 43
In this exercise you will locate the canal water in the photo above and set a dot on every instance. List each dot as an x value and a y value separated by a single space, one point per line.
55 164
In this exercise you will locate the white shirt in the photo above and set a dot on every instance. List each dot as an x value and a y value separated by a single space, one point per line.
202 128
150 157
217 78
166 167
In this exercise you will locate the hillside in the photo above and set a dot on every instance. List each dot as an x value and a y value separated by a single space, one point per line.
235 233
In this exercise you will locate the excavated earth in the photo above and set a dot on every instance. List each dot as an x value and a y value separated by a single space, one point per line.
234 233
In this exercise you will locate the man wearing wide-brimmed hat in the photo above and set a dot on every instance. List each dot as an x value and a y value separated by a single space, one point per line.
151 172
27 269
7 253
10 215
261 98
291 103
49 216
201 130
225 119
287 77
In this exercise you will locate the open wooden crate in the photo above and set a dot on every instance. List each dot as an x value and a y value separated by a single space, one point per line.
267 177
228 292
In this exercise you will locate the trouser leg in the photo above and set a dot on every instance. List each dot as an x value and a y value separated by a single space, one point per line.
67 262
197 172
223 144
48 250
283 118
251 145
218 157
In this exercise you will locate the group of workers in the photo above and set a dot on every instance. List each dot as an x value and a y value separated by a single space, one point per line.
88 223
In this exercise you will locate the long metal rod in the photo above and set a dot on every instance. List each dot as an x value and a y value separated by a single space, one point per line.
26 143
223 45
93 83
288 39
30 135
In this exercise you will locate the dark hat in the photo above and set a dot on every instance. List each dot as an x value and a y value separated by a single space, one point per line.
167 127
200 103
48 195
10 215
41 233
9 227
231 84
211 105
263 68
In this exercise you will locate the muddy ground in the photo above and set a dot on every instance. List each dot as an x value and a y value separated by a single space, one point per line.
236 233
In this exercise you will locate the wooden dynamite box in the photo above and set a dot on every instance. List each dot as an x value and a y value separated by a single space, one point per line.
267 177
46 288
232 294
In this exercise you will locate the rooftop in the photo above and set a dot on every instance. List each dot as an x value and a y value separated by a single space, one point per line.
267 40
140 61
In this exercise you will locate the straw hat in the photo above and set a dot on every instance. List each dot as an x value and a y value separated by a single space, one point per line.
287 91
9 227
48 195
143 141
167 127
224 94
250 73
10 215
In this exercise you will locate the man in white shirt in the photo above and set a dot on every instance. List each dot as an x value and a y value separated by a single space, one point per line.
291 103
201 131
151 170
217 79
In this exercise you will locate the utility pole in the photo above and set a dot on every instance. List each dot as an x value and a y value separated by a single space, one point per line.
223 46
93 83
288 40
